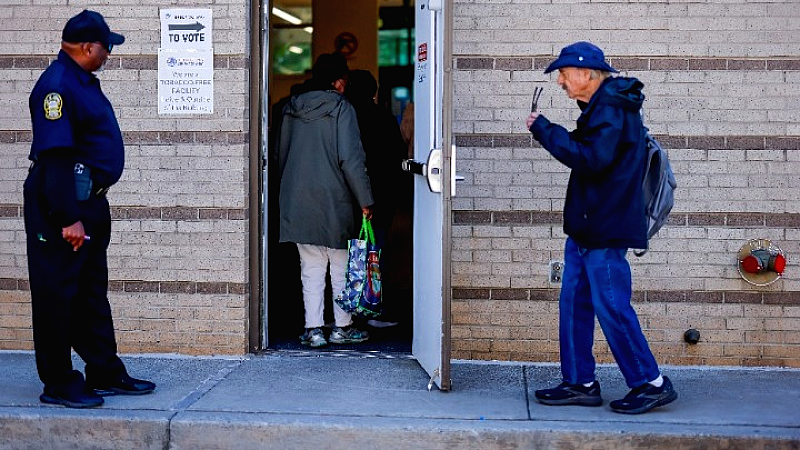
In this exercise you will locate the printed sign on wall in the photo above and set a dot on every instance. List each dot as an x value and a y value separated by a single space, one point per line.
186 62
186 28
185 81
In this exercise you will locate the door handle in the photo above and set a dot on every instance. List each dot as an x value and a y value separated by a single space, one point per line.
432 170
413 166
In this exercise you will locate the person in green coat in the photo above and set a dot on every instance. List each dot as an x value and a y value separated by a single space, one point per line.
323 180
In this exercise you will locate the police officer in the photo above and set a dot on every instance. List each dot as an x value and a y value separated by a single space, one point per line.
77 154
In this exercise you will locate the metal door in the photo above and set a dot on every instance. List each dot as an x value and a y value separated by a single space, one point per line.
431 341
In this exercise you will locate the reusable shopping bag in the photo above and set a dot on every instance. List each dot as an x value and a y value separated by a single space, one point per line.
362 289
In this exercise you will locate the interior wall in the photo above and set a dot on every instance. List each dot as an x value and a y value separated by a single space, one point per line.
358 17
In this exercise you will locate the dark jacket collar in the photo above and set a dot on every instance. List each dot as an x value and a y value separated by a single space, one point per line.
84 76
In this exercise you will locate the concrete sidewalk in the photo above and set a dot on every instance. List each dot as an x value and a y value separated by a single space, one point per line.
342 400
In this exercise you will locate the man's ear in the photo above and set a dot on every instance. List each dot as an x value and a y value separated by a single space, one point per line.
86 48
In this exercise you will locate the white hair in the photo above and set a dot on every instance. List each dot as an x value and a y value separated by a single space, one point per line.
596 74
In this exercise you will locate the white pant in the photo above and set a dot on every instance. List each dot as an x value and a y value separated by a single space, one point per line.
314 261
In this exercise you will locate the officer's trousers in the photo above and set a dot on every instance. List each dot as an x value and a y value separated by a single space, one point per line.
69 292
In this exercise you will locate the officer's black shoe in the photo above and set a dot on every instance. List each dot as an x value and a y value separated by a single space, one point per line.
122 385
75 397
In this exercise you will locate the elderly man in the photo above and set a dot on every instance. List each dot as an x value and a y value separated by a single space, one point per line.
77 154
603 217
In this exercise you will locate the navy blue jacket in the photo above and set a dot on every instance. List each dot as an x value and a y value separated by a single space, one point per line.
604 207
73 122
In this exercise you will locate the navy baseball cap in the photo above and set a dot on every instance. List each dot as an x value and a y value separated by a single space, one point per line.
89 26
581 54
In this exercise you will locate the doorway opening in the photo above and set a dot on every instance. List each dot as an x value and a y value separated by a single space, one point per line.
293 24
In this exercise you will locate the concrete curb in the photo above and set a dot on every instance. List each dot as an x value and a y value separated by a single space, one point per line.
317 402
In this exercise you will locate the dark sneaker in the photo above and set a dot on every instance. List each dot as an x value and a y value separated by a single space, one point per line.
571 394
381 323
644 398
121 385
71 398
348 335
313 337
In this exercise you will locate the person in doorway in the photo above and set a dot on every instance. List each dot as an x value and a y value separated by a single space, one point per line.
323 179
77 154
385 150
603 217
407 128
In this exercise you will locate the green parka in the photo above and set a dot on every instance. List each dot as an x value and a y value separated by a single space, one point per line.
322 170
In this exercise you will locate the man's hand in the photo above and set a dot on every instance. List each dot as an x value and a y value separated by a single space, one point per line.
530 119
74 234
367 211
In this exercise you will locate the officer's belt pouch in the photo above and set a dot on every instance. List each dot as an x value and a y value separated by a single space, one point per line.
83 182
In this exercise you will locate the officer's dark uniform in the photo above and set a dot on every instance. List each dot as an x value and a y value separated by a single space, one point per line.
75 132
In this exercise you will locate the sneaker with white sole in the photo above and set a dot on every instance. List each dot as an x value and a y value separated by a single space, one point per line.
313 337
348 335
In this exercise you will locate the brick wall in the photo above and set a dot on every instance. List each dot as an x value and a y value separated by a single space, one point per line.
721 80
178 260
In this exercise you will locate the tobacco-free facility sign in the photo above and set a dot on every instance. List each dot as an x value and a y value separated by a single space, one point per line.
185 81
186 62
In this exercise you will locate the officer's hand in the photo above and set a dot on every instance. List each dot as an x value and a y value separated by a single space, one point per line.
367 211
74 234
530 119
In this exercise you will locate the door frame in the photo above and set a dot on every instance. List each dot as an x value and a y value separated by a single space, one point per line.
448 188
260 70
258 135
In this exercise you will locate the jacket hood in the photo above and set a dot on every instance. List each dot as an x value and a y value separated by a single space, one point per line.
314 104
623 92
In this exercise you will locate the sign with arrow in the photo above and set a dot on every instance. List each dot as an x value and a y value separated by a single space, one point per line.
186 29
196 27
186 62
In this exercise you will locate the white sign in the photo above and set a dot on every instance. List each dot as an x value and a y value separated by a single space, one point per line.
185 81
186 28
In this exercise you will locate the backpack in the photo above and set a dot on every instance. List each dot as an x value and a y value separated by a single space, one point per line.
658 187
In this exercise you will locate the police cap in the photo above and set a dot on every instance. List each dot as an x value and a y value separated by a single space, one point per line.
89 26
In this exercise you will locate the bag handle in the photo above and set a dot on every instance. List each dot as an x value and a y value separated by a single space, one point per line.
366 231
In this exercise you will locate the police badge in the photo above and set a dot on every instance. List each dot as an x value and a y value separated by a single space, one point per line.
52 106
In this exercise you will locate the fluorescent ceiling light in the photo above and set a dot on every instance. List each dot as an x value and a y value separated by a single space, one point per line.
308 30
286 16
295 49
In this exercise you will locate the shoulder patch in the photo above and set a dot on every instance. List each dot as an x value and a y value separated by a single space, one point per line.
52 106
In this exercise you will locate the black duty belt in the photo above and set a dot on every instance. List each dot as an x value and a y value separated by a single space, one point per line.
101 192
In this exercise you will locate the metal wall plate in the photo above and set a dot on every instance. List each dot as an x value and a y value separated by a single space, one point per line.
763 278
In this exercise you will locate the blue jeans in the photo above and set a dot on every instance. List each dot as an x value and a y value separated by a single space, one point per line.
598 282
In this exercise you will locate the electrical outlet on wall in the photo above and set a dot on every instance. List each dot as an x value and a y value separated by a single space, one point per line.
556 271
